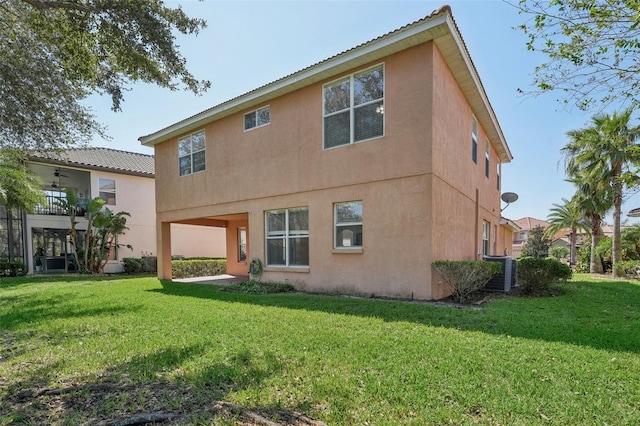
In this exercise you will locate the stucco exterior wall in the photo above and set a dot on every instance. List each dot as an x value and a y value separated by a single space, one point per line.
422 196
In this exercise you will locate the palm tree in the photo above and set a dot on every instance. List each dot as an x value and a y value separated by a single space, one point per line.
567 215
593 199
606 152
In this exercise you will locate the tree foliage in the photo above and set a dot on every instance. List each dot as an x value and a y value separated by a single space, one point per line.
567 216
592 49
54 53
537 244
605 153
20 188
92 247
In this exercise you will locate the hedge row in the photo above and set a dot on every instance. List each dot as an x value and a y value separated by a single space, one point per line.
198 267
180 268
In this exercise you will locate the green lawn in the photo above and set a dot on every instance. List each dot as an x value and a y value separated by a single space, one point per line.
77 350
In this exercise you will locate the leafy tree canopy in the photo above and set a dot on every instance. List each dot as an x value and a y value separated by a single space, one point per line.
20 188
54 53
592 49
537 244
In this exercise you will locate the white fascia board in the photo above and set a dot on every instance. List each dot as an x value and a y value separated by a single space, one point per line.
493 124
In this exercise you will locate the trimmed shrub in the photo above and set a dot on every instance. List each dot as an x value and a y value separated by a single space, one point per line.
12 269
198 268
465 277
536 274
150 264
133 265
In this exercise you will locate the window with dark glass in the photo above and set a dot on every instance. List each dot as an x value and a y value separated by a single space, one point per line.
474 141
486 159
348 224
354 108
287 237
191 153
242 244
258 118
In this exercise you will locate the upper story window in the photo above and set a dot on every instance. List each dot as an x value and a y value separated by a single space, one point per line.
354 108
191 153
257 118
498 176
348 224
108 191
486 159
474 141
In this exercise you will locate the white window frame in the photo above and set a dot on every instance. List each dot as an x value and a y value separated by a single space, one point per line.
242 244
286 234
256 114
102 191
474 140
336 225
191 153
352 108
486 237
486 159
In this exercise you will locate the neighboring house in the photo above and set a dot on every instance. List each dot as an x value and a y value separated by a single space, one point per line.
125 180
349 176
526 224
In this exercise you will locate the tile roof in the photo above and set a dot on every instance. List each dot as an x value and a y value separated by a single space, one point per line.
528 223
106 159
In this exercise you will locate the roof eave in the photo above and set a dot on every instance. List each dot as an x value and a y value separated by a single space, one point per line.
439 27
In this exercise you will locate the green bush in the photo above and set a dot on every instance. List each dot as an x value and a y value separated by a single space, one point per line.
465 277
198 268
12 269
133 265
150 264
535 274
583 263
630 268
257 287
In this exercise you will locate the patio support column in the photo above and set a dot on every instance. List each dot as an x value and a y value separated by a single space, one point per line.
164 251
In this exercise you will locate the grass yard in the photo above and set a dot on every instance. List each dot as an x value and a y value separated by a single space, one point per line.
99 350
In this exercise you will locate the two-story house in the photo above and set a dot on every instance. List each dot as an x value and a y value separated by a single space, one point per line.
349 176
125 180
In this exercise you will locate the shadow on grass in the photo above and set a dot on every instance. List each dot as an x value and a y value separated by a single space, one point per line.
139 386
599 314
9 282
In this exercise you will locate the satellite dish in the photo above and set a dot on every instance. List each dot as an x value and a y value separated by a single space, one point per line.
509 197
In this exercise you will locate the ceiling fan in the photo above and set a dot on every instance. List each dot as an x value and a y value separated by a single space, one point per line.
58 175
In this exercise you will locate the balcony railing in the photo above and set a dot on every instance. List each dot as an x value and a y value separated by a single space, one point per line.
51 207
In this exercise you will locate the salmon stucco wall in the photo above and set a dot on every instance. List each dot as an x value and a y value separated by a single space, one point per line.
422 196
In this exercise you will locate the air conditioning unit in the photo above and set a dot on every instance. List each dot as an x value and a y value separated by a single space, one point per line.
505 280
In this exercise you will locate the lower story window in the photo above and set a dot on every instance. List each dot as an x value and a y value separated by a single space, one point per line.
348 224
242 244
287 237
486 231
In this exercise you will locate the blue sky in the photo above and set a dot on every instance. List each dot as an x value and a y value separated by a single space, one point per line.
250 43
